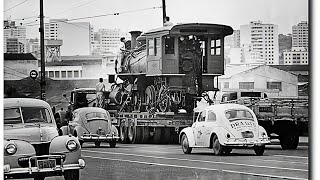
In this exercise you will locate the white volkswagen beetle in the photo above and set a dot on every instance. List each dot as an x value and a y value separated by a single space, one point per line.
223 127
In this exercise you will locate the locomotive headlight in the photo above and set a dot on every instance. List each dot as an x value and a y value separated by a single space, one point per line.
72 145
11 149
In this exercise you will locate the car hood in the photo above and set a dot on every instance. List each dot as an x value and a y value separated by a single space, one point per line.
93 126
31 133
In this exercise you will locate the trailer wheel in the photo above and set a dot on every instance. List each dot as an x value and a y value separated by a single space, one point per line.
123 133
259 150
289 141
185 145
131 132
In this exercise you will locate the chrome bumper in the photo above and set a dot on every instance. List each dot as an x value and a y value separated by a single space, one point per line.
246 142
31 170
96 137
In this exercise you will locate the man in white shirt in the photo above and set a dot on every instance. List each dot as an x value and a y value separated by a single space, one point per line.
100 88
167 22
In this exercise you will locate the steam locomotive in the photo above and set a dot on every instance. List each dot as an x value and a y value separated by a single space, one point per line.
170 68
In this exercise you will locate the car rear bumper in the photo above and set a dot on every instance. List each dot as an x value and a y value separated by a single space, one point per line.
31 171
245 142
96 137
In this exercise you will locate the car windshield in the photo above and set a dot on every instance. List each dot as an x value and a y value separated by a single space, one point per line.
238 114
96 115
26 115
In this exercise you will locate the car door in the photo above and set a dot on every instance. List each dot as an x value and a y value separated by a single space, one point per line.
209 124
198 128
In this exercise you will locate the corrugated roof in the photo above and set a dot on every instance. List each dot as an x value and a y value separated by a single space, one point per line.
292 67
19 56
232 70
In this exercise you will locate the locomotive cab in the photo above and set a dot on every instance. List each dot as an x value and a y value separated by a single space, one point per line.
176 65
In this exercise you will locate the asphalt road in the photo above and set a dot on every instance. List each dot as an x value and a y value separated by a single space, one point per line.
157 162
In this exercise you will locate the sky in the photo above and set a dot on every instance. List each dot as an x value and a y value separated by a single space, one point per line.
144 15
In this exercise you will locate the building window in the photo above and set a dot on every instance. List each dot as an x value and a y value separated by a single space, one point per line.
56 74
246 85
226 85
63 74
76 74
274 85
69 74
51 74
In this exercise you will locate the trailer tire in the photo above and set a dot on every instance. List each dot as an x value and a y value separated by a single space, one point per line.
289 141
123 133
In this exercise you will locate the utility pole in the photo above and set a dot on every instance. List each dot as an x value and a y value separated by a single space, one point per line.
164 11
42 73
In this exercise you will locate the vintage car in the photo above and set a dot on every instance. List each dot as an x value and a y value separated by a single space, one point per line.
223 127
32 145
92 124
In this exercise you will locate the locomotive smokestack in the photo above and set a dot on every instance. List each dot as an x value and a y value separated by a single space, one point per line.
134 35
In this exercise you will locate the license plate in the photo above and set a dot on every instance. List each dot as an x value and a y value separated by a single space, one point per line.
48 163
247 134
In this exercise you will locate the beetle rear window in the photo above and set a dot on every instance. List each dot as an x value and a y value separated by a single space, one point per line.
238 114
96 115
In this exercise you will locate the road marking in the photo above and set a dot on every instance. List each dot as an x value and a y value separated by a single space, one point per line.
193 160
300 157
293 162
189 167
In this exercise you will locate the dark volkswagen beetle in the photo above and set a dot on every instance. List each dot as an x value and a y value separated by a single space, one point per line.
92 124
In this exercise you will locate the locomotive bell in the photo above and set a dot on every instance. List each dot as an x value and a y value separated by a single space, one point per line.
134 35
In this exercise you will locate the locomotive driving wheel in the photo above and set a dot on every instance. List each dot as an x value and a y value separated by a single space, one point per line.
150 96
136 101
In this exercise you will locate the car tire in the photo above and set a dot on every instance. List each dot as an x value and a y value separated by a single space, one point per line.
72 175
112 144
97 143
259 150
185 144
216 146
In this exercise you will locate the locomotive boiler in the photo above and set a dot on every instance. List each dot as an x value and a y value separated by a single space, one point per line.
169 68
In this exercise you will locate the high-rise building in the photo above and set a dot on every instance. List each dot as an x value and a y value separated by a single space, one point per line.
76 36
263 39
14 38
108 40
300 35
236 39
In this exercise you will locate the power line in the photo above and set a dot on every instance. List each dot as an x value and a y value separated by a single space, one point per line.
16 5
75 7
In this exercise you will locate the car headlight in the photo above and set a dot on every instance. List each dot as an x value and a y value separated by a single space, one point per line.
72 145
11 148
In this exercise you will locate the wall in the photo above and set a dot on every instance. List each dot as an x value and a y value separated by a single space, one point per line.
18 69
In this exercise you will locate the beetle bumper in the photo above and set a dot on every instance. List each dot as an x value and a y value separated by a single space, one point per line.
247 142
97 137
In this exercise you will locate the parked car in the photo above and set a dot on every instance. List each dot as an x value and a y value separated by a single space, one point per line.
223 127
92 124
32 145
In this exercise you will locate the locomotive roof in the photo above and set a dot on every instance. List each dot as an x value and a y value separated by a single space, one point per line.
203 28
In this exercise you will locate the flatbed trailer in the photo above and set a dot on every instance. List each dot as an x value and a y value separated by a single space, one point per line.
157 128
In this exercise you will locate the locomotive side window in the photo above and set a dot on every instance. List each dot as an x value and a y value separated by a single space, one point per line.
150 47
216 47
157 46
169 45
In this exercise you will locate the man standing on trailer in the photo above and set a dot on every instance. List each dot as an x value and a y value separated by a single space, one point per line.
167 22
100 88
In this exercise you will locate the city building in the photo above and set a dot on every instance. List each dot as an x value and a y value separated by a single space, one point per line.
300 35
107 41
76 36
18 66
263 39
14 38
264 78
236 39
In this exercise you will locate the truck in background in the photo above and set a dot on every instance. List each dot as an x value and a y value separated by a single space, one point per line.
283 118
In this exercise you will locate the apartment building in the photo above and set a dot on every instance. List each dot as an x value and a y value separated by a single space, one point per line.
14 38
300 34
264 40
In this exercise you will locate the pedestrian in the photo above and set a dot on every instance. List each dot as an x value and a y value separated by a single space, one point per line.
167 21
100 88
62 116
